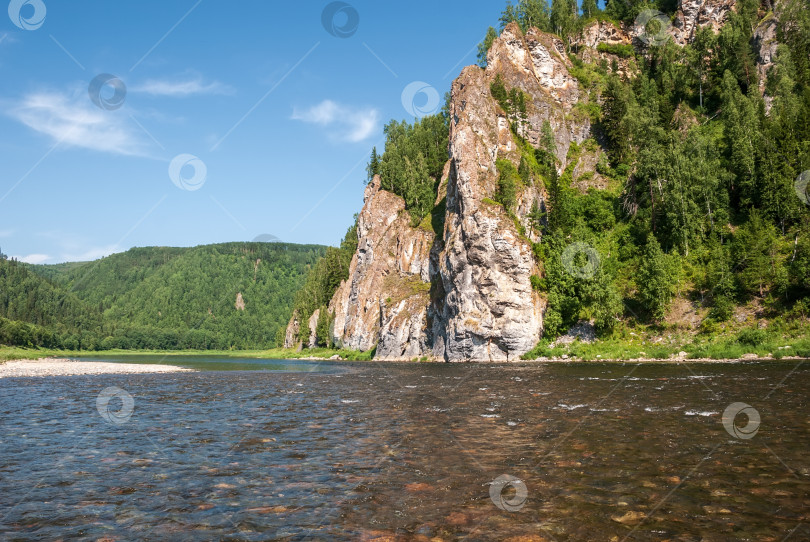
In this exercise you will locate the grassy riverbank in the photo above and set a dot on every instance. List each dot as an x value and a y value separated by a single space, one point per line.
778 340
775 342
621 350
14 353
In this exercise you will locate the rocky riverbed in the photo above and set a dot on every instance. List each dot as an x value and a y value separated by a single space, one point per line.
70 367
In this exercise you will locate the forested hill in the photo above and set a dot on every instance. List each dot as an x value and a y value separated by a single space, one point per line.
235 295
639 171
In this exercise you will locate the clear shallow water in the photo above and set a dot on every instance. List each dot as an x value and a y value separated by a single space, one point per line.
407 452
214 363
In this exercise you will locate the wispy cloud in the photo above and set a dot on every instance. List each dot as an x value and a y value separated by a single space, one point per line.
34 258
89 254
179 88
346 123
72 120
86 254
6 233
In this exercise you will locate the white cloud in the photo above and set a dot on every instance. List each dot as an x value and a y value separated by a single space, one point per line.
6 233
182 88
347 123
34 258
74 121
90 254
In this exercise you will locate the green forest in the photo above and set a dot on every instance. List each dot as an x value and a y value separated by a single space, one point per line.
704 200
228 296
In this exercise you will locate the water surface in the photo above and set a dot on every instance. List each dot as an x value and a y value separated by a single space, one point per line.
216 363
409 452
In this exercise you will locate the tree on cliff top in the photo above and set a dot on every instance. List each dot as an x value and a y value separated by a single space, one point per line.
413 161
373 167
484 46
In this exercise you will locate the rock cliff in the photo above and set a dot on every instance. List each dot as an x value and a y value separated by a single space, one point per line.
458 287
384 302
604 32
461 290
695 14
765 44
488 310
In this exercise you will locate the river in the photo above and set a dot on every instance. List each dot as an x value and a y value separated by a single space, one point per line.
261 450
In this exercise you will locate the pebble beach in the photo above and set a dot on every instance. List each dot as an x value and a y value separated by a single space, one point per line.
67 367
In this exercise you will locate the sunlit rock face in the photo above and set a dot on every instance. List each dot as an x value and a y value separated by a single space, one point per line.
765 45
695 14
385 300
463 292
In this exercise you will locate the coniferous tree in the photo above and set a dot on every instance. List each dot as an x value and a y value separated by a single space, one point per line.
759 261
508 179
563 19
589 8
484 46
373 167
699 57
657 279
614 110
741 125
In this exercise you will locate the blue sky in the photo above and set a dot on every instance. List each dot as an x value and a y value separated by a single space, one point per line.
279 113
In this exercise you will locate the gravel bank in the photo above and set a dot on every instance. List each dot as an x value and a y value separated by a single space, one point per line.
69 367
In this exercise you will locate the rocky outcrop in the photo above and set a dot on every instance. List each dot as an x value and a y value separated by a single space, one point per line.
695 14
312 326
488 309
292 333
384 302
597 32
765 45
535 63
463 292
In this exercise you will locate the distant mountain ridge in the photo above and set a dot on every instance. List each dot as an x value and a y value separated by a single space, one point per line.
156 297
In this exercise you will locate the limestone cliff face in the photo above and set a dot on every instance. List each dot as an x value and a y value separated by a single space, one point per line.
489 310
535 63
463 292
695 14
291 335
605 32
312 326
598 32
385 300
765 44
